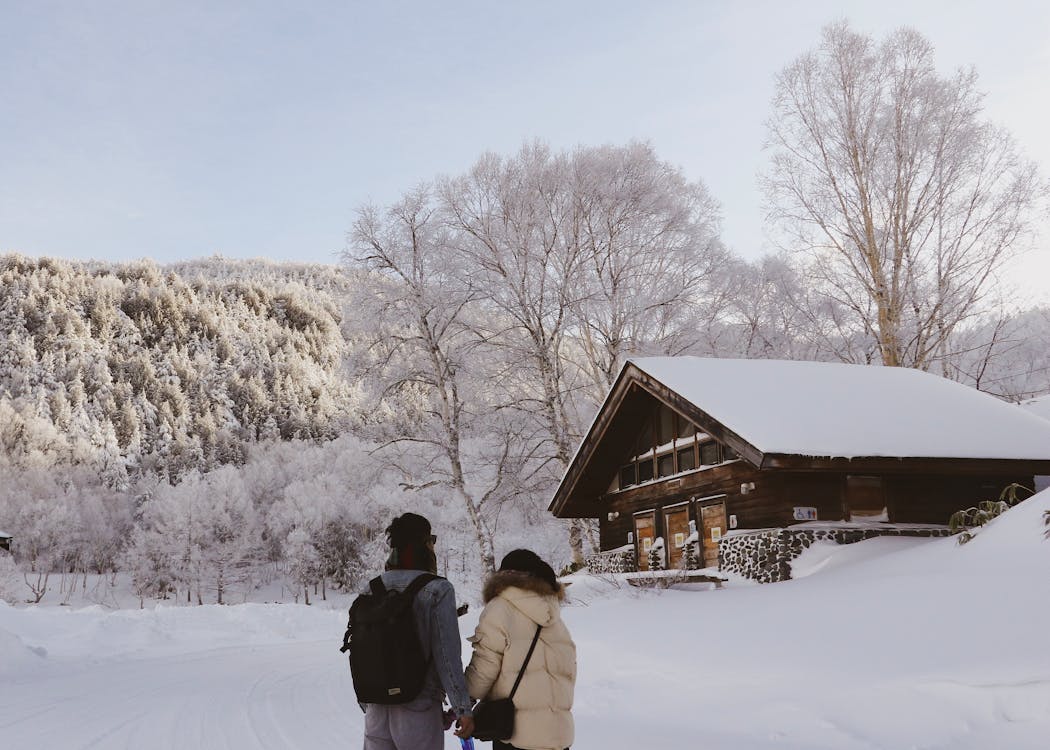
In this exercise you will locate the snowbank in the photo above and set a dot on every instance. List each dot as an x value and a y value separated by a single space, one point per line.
69 635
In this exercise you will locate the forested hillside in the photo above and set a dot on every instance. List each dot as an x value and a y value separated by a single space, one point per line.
141 369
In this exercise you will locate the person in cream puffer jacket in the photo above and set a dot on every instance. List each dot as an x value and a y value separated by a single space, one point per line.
521 595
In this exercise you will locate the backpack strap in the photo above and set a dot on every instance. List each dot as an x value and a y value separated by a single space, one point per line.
525 663
376 585
418 583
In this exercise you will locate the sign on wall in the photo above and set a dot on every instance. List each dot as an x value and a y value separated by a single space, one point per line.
805 514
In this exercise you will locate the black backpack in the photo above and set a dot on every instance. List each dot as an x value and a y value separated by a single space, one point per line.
386 656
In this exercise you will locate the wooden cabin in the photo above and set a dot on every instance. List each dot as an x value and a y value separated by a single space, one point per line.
5 540
690 456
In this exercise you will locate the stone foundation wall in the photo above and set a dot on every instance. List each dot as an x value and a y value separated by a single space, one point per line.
614 561
765 555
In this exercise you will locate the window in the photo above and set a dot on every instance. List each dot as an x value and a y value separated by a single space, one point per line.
645 438
708 454
627 477
684 448
665 428
686 429
728 454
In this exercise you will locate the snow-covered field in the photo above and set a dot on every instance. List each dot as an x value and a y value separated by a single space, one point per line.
883 644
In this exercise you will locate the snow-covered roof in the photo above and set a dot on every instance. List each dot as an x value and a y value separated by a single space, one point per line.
846 411
5 535
1038 406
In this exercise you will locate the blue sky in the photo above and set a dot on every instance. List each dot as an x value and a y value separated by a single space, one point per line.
175 130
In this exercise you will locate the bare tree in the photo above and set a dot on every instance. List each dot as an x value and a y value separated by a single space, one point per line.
423 342
584 258
1007 355
904 200
517 240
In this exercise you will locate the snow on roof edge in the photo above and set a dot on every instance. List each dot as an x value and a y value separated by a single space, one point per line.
822 415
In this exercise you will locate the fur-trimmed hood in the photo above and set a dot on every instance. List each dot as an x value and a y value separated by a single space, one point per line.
530 595
501 580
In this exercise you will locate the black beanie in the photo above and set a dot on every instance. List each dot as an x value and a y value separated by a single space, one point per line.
408 529
527 561
409 535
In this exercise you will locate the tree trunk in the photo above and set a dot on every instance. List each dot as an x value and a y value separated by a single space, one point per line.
576 541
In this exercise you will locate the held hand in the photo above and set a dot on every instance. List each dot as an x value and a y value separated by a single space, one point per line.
464 727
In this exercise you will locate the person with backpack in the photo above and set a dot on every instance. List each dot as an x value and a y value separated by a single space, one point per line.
404 644
523 651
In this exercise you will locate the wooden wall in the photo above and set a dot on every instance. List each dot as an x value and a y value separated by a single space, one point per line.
933 499
910 499
770 504
656 495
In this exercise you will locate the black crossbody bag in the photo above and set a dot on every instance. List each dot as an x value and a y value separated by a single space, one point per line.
494 720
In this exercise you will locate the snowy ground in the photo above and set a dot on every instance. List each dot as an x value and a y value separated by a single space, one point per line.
883 644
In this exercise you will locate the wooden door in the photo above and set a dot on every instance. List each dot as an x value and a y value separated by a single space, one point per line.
865 500
644 536
713 518
676 526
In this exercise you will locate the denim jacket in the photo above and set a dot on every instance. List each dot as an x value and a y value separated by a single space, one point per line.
438 628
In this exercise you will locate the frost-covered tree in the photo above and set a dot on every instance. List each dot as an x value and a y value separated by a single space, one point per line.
904 200
426 347
202 534
653 268
1006 354
141 371
581 258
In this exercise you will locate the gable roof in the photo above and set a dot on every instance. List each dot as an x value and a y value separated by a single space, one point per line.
845 411
817 416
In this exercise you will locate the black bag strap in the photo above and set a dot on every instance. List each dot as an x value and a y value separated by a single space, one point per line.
524 664
418 583
378 588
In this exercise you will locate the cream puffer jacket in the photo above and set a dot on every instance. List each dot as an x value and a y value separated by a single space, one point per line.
515 603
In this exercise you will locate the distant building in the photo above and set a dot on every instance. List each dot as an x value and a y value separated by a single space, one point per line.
741 464
1041 408
5 540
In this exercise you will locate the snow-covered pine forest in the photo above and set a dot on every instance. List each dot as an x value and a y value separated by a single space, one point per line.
211 426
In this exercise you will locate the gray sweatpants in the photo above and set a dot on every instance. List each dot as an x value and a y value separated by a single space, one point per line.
414 726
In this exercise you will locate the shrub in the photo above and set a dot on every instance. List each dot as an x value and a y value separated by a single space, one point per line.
965 522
